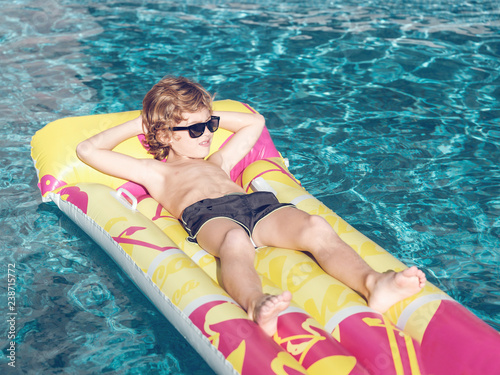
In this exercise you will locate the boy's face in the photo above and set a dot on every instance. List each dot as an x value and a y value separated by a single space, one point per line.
183 145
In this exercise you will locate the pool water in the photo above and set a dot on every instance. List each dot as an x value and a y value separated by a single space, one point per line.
388 112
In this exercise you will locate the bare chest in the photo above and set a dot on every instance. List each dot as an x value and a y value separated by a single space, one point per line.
182 184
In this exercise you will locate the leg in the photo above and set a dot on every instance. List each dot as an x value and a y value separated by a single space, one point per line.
229 242
295 229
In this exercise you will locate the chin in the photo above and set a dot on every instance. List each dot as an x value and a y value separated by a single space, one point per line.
200 154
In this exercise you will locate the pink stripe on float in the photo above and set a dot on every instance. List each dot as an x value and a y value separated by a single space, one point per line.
131 241
458 342
284 171
249 108
158 214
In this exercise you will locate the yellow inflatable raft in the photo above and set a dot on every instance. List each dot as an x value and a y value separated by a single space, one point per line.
328 329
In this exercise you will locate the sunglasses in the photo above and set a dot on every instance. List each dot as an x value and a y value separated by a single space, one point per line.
196 130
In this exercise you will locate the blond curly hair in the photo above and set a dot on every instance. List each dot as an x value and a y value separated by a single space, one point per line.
163 108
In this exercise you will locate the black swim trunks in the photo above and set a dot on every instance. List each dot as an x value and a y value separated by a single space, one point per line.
244 209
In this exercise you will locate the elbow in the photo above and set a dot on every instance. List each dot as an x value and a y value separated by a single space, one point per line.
260 121
83 150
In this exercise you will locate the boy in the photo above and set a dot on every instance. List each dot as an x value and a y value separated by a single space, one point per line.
178 121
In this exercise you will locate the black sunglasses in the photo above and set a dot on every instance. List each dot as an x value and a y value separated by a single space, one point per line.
196 130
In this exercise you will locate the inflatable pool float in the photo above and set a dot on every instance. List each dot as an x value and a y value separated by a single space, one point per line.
328 329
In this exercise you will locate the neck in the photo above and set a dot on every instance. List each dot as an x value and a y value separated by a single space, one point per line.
174 157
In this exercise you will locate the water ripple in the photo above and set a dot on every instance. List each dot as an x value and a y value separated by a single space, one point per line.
387 110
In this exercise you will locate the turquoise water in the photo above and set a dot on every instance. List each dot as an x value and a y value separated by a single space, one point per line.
388 111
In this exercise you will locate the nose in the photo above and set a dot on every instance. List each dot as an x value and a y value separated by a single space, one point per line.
206 131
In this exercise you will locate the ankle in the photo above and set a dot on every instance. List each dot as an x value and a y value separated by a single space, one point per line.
252 303
369 282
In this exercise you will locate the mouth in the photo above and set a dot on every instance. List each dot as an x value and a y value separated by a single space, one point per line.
205 143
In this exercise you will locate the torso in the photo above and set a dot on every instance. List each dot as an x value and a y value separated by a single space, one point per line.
179 184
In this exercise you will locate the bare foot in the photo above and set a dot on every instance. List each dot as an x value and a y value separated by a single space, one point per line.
266 310
392 287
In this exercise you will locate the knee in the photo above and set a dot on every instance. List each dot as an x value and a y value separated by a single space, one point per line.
318 228
236 239
235 236
320 236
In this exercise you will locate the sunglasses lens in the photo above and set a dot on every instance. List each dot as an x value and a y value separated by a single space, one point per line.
196 130
213 124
